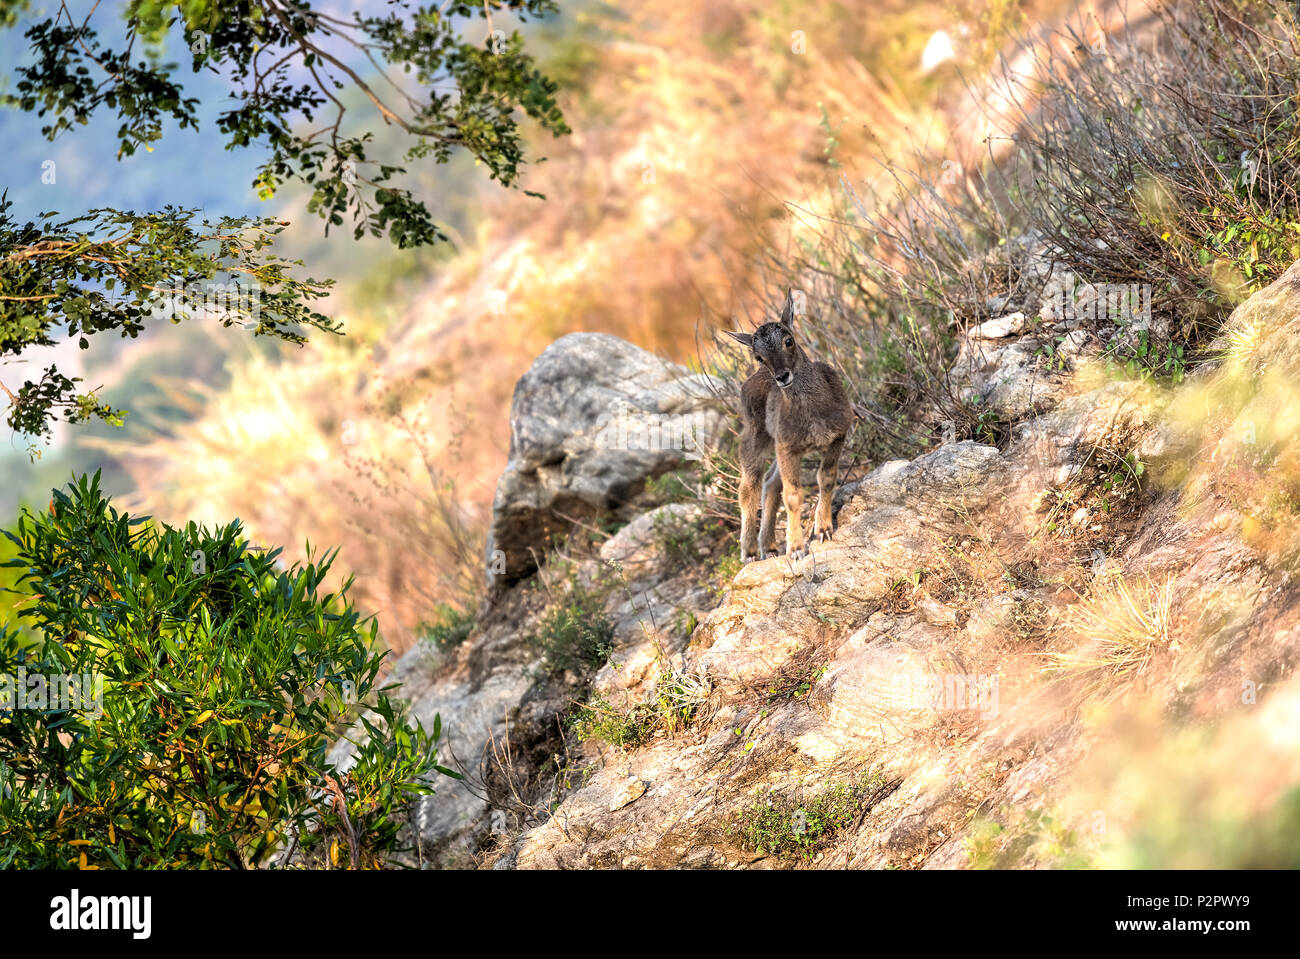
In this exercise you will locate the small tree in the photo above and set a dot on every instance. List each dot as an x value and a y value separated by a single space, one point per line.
171 696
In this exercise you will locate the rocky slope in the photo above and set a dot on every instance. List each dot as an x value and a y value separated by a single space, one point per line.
1003 658
694 126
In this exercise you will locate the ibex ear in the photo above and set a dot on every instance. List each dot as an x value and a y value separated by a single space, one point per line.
746 338
787 311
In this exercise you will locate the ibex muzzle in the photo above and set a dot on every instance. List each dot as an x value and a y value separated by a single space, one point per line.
808 412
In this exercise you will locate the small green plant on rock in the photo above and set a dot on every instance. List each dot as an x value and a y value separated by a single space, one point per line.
1147 359
448 628
575 635
599 719
678 697
725 572
674 704
678 537
783 825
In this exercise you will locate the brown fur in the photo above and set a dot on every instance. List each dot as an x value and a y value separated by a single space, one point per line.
809 414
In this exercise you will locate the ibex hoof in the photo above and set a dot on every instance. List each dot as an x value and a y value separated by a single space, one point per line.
824 536
796 553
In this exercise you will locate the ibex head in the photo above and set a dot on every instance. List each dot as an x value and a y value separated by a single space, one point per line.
774 345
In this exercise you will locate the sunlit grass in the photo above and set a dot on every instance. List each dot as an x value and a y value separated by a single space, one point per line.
1122 623
1242 341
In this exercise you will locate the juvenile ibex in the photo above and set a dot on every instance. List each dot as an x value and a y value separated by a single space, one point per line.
799 405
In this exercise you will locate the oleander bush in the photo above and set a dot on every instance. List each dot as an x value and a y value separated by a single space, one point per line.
205 686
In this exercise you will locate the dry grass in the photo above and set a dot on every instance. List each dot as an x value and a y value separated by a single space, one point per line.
1123 624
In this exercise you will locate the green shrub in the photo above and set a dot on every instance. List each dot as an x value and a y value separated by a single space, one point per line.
780 825
576 635
598 719
224 681
675 487
675 703
449 627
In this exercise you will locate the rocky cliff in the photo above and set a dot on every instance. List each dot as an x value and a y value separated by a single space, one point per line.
1074 648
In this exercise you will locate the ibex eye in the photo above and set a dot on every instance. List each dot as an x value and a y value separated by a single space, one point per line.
789 342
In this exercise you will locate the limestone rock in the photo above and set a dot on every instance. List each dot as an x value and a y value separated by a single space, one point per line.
1000 328
591 421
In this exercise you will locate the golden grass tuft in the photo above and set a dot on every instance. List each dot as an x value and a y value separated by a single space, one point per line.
1242 341
1123 624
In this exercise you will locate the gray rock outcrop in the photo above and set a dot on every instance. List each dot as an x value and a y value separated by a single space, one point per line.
591 421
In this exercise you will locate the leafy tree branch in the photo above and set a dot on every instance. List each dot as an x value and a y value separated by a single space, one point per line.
288 64
112 272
